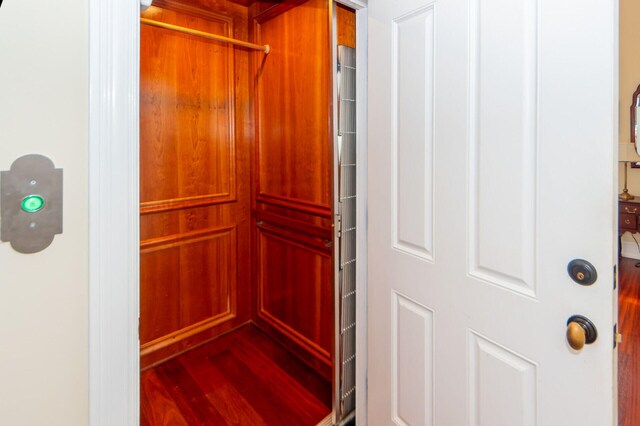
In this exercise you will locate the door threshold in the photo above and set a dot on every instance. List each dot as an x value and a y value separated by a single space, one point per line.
327 421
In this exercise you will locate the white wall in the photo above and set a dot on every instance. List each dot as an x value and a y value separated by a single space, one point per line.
43 297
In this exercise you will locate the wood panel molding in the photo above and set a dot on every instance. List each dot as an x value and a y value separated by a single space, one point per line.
293 108
295 204
187 9
185 203
293 225
291 235
169 300
161 243
265 11
313 348
182 334
153 132
299 288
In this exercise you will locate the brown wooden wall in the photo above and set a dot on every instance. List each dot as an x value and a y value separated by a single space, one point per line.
293 180
195 139
236 176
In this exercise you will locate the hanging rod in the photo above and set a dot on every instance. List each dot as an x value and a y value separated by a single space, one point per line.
264 48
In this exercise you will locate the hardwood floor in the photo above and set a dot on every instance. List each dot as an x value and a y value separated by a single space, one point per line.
629 349
241 378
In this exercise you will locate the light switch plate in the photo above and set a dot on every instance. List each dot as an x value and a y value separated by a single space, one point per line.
30 203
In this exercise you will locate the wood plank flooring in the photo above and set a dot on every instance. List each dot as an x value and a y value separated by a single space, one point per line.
629 349
241 378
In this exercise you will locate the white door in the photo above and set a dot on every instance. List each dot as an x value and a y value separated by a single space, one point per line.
492 126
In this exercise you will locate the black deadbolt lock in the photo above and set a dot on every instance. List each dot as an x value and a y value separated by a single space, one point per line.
582 272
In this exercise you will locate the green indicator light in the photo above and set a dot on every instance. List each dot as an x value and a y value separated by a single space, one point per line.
32 203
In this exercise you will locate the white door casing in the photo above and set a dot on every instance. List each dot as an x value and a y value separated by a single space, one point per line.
113 222
491 166
114 347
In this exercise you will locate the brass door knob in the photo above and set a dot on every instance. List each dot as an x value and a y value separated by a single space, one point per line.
576 336
580 332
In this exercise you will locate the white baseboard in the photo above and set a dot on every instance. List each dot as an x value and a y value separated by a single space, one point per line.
630 249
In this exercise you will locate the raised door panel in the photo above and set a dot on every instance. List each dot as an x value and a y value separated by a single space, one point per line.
413 133
194 178
504 143
502 387
412 334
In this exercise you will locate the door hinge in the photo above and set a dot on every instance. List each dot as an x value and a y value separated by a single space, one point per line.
338 221
617 337
615 276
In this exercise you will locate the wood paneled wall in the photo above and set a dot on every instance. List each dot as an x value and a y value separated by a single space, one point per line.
293 272
236 177
195 139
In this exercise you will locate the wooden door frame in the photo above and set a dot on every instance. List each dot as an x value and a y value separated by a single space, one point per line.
114 89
